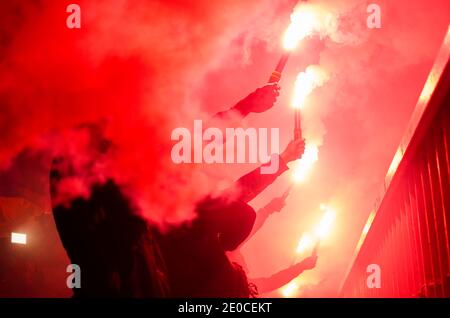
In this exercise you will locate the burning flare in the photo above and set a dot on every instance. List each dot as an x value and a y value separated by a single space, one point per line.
304 165
306 82
303 22
308 19
308 244
322 230
289 289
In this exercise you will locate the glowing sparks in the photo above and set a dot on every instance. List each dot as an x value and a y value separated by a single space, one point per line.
303 23
304 165
18 238
306 82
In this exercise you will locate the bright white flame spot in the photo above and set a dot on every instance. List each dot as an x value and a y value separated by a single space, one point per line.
18 238
304 165
289 289
313 77
309 242
306 243
303 23
324 227
312 18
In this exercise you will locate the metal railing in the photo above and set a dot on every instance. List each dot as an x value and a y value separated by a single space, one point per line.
407 233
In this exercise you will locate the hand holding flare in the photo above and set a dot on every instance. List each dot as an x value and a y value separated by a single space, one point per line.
306 82
321 231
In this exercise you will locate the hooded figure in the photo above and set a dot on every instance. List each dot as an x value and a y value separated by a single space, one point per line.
102 234
194 253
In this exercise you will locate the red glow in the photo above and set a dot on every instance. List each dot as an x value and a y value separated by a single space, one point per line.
143 68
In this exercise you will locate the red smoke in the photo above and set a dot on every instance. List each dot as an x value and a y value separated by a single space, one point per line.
144 67
376 77
135 67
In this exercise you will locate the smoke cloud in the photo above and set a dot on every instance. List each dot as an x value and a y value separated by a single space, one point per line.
138 69
133 68
358 117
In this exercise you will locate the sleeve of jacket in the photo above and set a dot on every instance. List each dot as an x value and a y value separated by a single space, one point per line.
254 182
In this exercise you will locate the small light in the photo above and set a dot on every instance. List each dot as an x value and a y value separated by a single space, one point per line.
290 289
18 238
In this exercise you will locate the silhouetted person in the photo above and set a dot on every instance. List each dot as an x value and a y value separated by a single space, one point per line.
116 249
281 278
195 254
275 205
102 234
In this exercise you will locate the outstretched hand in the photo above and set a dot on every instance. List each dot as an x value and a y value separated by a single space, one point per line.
260 100
277 204
309 262
305 264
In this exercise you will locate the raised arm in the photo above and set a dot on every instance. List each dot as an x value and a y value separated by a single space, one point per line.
275 205
253 183
278 280
259 101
